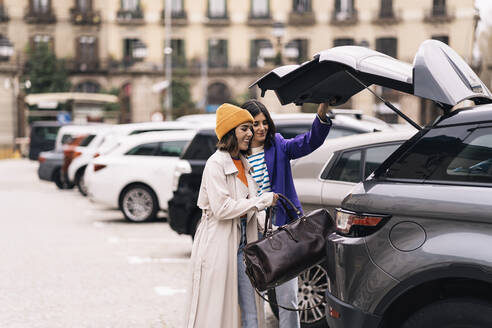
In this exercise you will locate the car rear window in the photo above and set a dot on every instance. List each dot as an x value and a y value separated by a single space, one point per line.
45 132
356 165
201 147
171 148
147 149
87 140
461 154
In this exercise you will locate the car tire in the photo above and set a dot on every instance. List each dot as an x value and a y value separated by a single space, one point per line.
455 312
315 318
57 179
80 181
139 203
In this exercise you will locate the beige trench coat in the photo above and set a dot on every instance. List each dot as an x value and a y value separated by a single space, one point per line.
223 198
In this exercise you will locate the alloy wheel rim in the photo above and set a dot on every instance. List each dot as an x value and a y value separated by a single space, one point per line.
312 285
138 204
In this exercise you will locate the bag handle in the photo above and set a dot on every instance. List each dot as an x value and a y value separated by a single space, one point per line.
282 201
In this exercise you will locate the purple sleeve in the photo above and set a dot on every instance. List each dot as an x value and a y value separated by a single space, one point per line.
305 143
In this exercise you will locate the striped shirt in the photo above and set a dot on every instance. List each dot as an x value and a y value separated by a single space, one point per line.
260 173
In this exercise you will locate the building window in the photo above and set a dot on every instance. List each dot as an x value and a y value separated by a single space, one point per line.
87 57
442 38
302 6
178 55
217 9
387 46
260 51
343 42
133 50
344 9
177 9
439 8
260 8
217 53
88 86
217 94
297 50
40 6
42 40
84 5
130 5
386 9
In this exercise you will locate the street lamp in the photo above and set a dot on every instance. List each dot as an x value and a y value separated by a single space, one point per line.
278 31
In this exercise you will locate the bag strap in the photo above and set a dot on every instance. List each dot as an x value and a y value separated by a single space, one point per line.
283 201
284 307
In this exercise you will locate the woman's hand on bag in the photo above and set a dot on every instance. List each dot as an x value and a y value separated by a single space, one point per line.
275 198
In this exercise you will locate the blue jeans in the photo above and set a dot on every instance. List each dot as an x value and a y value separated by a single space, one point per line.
287 296
246 292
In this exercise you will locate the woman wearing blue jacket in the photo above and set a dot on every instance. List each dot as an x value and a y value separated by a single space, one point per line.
270 158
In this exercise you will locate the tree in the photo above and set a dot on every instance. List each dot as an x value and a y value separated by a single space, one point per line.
45 72
182 104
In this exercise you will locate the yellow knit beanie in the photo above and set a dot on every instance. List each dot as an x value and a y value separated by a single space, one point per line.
229 117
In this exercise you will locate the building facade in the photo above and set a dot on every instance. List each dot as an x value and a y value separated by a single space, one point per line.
218 46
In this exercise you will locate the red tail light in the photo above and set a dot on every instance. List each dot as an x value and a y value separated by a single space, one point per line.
41 159
358 225
98 167
76 154
96 155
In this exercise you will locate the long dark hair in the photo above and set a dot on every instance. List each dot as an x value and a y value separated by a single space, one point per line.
254 107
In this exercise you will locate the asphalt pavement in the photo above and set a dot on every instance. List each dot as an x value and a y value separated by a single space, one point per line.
67 262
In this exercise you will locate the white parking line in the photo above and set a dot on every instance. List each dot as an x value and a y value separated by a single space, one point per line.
97 224
116 240
144 260
168 291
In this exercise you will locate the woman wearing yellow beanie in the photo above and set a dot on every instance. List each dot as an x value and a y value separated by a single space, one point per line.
221 294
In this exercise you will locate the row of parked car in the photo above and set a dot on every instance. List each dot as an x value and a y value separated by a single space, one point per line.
411 206
144 168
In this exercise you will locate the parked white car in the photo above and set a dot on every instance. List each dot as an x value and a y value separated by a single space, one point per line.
108 139
137 176
324 177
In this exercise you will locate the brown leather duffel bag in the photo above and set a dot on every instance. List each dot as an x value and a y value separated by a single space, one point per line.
283 254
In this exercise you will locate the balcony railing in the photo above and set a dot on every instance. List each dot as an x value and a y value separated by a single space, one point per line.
130 17
45 16
82 17
178 18
302 18
4 17
439 14
214 20
386 16
260 20
349 17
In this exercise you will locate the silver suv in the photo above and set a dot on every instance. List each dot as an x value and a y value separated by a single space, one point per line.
412 241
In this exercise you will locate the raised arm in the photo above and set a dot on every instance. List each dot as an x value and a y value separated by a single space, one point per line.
308 142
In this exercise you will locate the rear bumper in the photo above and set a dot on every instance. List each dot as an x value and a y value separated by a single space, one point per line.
350 316
46 170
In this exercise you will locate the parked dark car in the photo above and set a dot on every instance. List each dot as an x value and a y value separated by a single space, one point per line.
411 247
42 137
